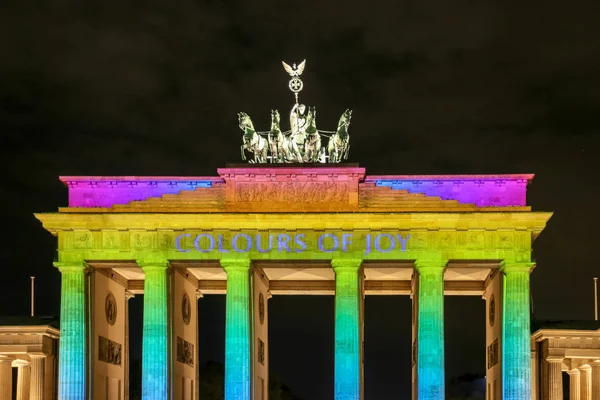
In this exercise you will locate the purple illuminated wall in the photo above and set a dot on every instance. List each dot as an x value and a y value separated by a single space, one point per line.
103 191
481 190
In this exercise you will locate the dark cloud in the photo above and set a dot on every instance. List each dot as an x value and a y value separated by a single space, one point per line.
471 86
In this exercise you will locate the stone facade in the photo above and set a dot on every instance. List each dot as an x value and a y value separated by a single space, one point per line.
257 231
29 345
566 347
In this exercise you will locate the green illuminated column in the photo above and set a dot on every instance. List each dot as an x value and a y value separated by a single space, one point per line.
516 361
430 331
348 329
238 330
155 333
72 360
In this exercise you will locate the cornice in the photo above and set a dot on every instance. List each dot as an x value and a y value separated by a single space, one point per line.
487 221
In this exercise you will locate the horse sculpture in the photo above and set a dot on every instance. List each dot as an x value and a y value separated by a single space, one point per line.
252 140
312 145
275 139
283 149
339 144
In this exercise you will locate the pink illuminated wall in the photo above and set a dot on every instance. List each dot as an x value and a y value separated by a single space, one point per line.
481 190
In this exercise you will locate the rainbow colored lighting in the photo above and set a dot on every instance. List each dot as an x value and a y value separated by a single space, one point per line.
516 347
72 360
348 341
238 377
430 332
106 191
481 190
155 341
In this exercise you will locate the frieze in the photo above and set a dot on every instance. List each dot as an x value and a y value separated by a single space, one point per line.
82 240
109 351
185 352
292 192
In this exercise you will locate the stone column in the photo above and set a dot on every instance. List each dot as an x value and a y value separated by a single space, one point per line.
516 346
574 385
155 350
430 331
238 355
73 337
586 382
37 376
348 329
555 384
595 380
5 377
125 354
23 375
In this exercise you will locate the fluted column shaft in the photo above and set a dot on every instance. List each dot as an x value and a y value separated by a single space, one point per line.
155 333
516 347
574 385
5 378
238 330
555 383
586 382
36 391
430 331
348 337
24 374
595 380
72 360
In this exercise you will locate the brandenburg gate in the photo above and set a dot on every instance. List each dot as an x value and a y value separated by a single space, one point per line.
277 227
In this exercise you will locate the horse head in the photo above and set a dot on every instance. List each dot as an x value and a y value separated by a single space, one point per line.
245 123
311 120
344 122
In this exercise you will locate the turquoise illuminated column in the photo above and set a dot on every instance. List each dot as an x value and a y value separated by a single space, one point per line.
516 361
238 330
155 333
348 329
72 360
430 331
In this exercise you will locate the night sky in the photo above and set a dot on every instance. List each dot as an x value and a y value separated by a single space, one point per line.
152 88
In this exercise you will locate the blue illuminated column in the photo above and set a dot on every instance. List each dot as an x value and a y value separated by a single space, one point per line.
348 329
516 361
72 360
430 330
155 371
238 330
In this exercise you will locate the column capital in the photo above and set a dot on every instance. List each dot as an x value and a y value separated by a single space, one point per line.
20 363
36 355
70 266
510 267
6 359
585 368
235 264
129 295
555 359
152 264
431 265
573 372
346 264
595 364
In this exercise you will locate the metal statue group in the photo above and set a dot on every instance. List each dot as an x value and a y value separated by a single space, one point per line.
303 142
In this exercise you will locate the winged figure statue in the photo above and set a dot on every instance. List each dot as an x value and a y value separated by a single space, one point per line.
293 70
